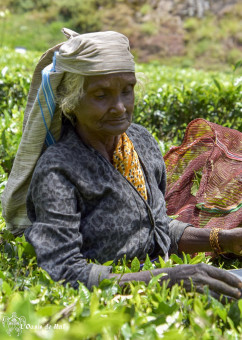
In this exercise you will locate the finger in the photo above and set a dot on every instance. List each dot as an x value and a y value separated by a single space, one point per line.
221 287
221 298
224 299
225 276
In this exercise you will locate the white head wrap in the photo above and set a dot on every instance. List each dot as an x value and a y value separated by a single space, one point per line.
85 54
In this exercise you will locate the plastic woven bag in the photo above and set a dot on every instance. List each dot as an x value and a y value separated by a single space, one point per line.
204 176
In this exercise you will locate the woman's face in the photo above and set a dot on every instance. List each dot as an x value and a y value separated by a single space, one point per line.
107 105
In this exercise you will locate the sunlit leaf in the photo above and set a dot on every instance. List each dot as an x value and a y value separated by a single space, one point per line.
135 265
84 293
176 259
49 310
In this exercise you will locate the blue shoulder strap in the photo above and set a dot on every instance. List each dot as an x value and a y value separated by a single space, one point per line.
49 99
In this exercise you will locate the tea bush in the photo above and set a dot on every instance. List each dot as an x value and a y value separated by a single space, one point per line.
178 96
48 310
137 311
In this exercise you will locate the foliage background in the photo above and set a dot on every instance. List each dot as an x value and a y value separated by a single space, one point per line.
173 94
199 33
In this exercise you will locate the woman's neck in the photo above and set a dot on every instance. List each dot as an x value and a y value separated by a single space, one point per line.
105 145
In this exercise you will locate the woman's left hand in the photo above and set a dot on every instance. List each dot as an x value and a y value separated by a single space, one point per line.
231 241
195 240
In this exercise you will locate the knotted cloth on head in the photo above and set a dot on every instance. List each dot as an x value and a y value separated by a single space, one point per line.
86 54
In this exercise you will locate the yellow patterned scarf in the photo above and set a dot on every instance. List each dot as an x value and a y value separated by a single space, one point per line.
126 161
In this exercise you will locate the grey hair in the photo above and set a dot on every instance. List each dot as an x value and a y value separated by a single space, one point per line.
140 87
69 93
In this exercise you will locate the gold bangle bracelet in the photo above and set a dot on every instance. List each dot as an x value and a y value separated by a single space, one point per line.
213 239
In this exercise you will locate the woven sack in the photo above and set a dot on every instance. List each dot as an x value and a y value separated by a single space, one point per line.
204 176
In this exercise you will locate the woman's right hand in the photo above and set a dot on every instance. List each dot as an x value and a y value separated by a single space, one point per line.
219 281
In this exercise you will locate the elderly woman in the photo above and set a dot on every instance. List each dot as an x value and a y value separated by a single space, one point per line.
98 192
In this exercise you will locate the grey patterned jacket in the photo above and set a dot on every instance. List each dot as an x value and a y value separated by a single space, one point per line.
82 208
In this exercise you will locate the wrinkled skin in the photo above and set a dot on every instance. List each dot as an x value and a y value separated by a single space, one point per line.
105 112
219 281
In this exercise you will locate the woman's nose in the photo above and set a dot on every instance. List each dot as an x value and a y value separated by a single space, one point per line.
117 107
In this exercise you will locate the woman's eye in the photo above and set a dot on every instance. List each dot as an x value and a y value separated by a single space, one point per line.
128 90
99 95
